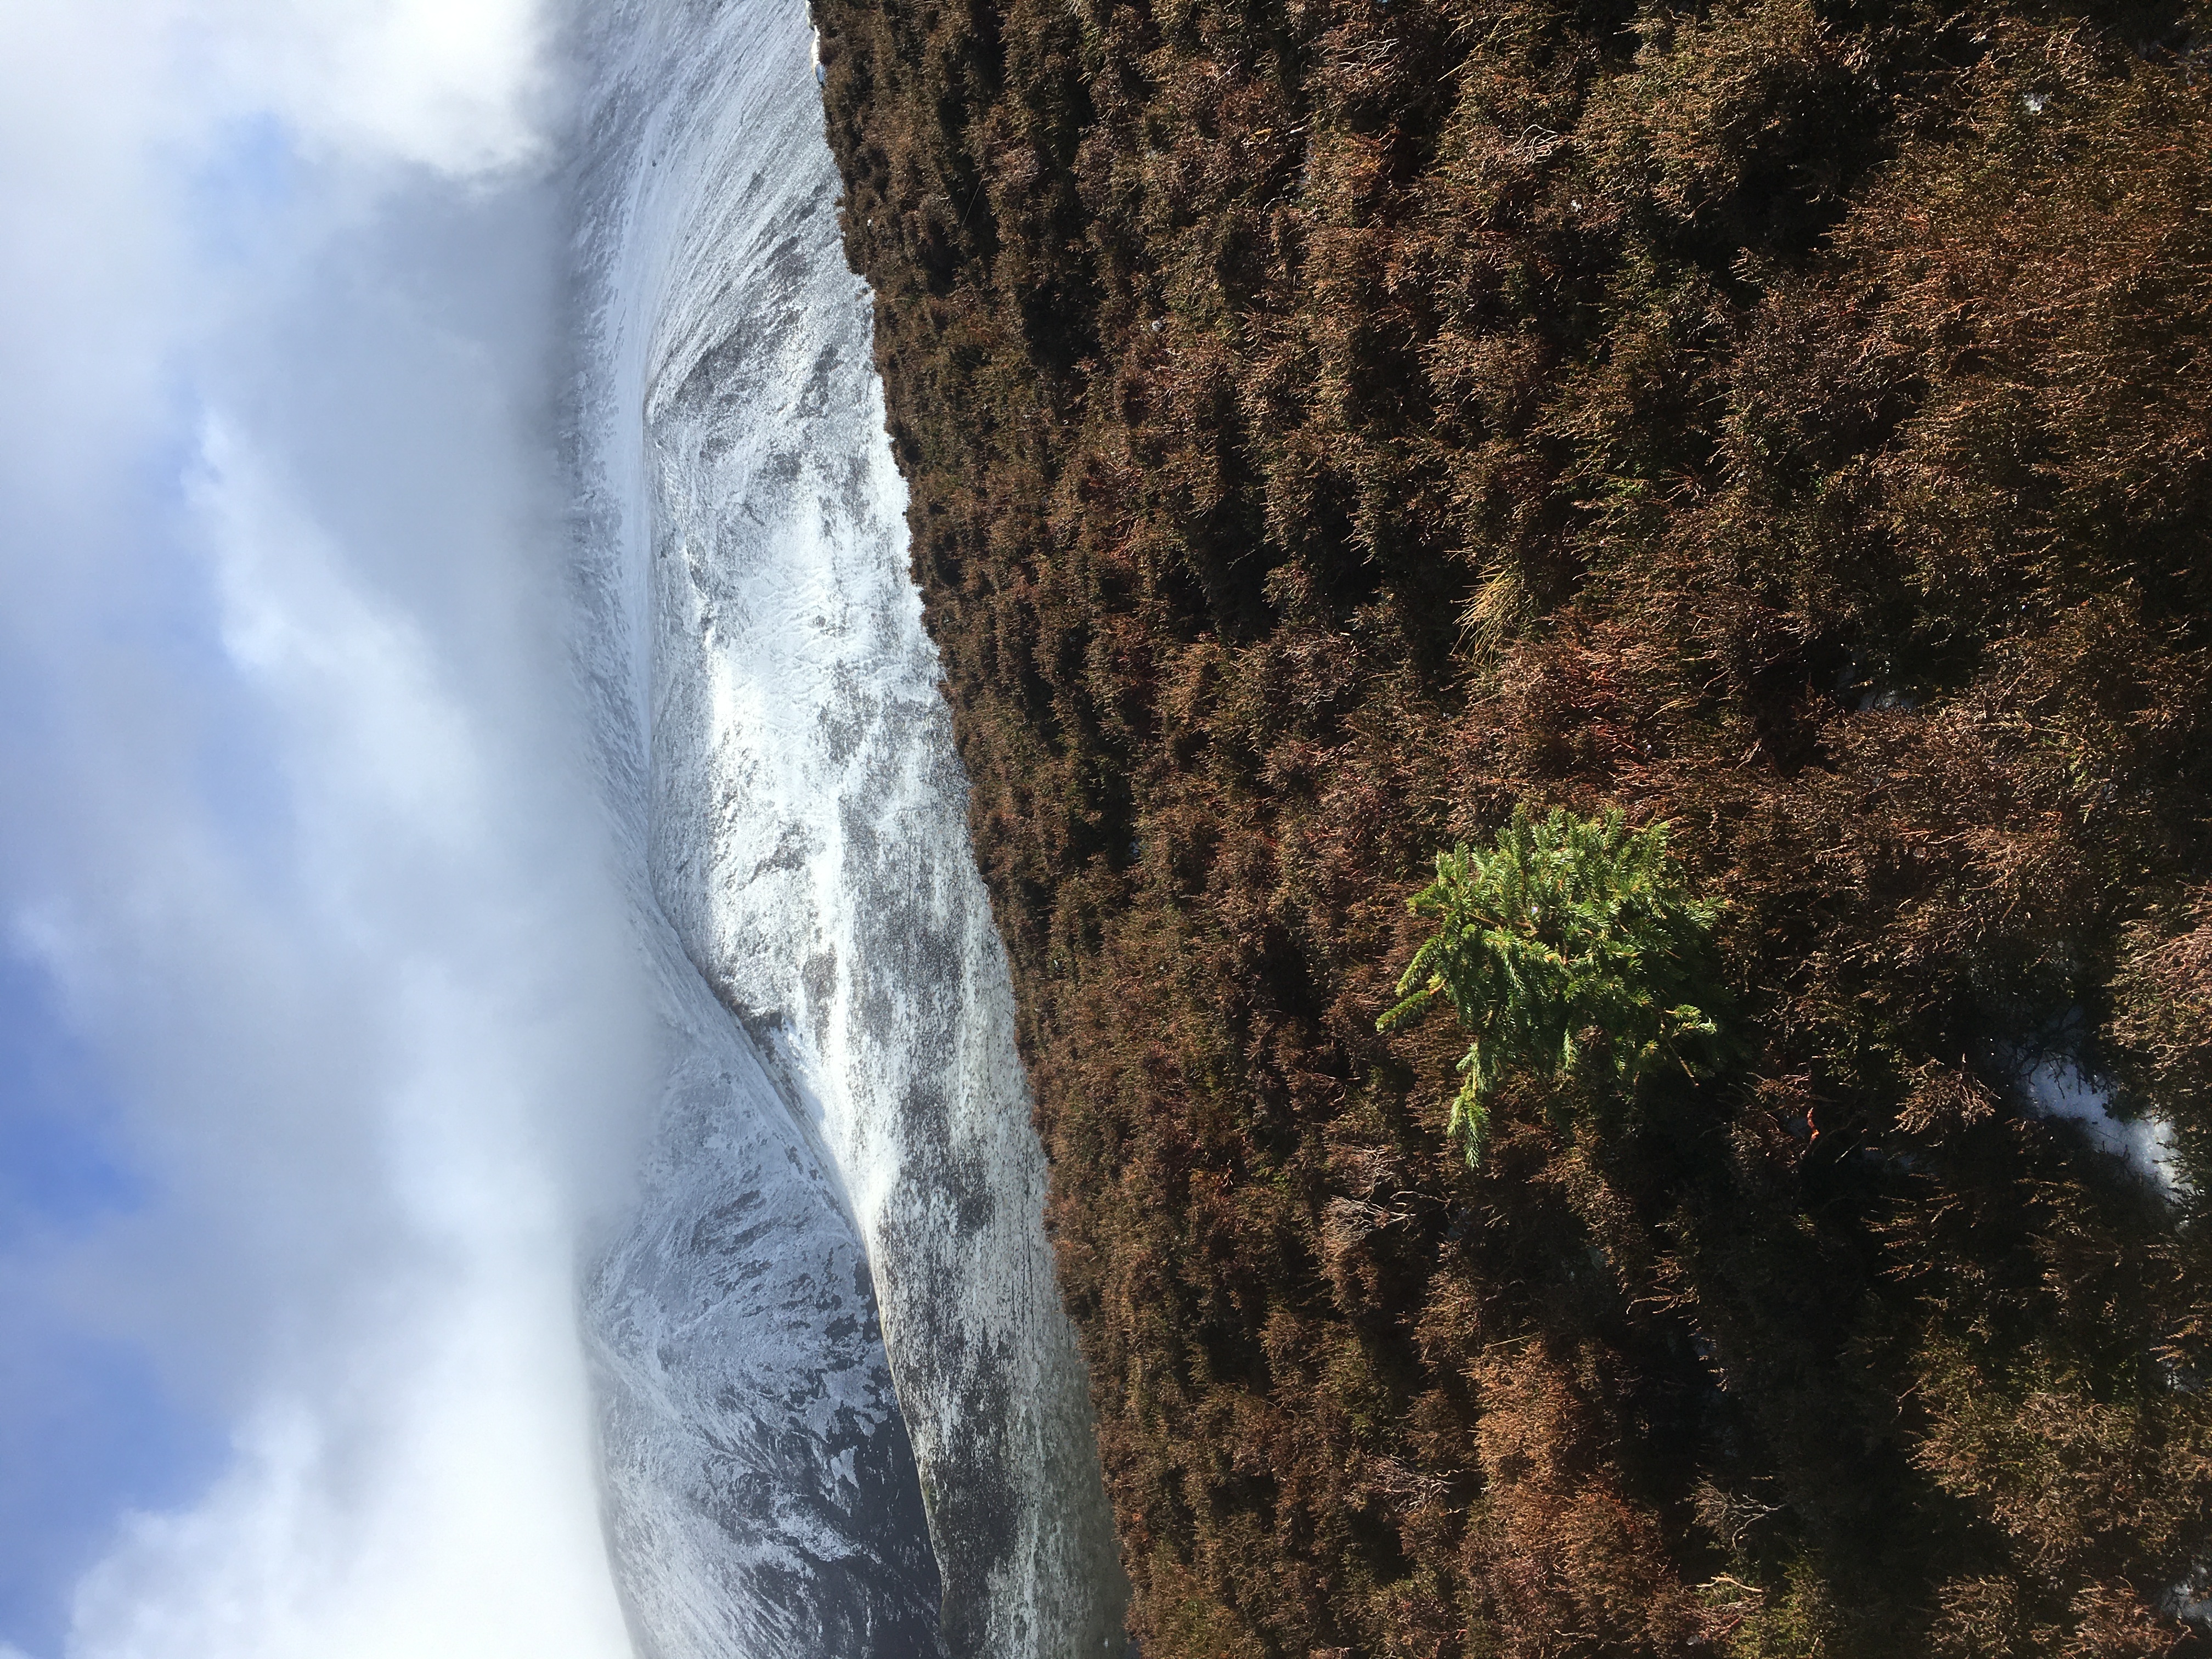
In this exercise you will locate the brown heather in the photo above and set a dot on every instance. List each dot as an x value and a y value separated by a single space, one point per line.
1330 423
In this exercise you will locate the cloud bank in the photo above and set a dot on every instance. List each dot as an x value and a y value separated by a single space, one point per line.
304 853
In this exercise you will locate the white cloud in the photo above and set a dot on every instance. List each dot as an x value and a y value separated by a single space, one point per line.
462 87
372 1083
306 838
381 752
459 87
420 1514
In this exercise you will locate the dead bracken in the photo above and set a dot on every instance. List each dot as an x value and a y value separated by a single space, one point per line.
1330 424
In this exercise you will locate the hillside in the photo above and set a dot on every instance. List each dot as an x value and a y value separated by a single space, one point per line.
1331 423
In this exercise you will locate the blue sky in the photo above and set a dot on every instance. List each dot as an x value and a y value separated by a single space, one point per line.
318 1031
86 1426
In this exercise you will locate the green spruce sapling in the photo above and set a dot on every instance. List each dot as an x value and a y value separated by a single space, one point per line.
1571 946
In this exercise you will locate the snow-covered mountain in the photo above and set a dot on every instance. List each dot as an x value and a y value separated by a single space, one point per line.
834 1312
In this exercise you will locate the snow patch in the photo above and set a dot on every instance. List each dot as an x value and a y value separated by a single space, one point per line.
2056 1087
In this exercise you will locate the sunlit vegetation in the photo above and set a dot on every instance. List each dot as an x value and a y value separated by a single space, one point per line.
1561 949
1332 424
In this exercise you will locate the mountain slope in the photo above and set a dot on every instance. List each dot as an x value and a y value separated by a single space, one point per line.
1331 422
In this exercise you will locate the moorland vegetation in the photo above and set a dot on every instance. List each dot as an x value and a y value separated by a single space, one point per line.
1333 426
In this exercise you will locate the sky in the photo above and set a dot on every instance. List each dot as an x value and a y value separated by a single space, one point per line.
320 1032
